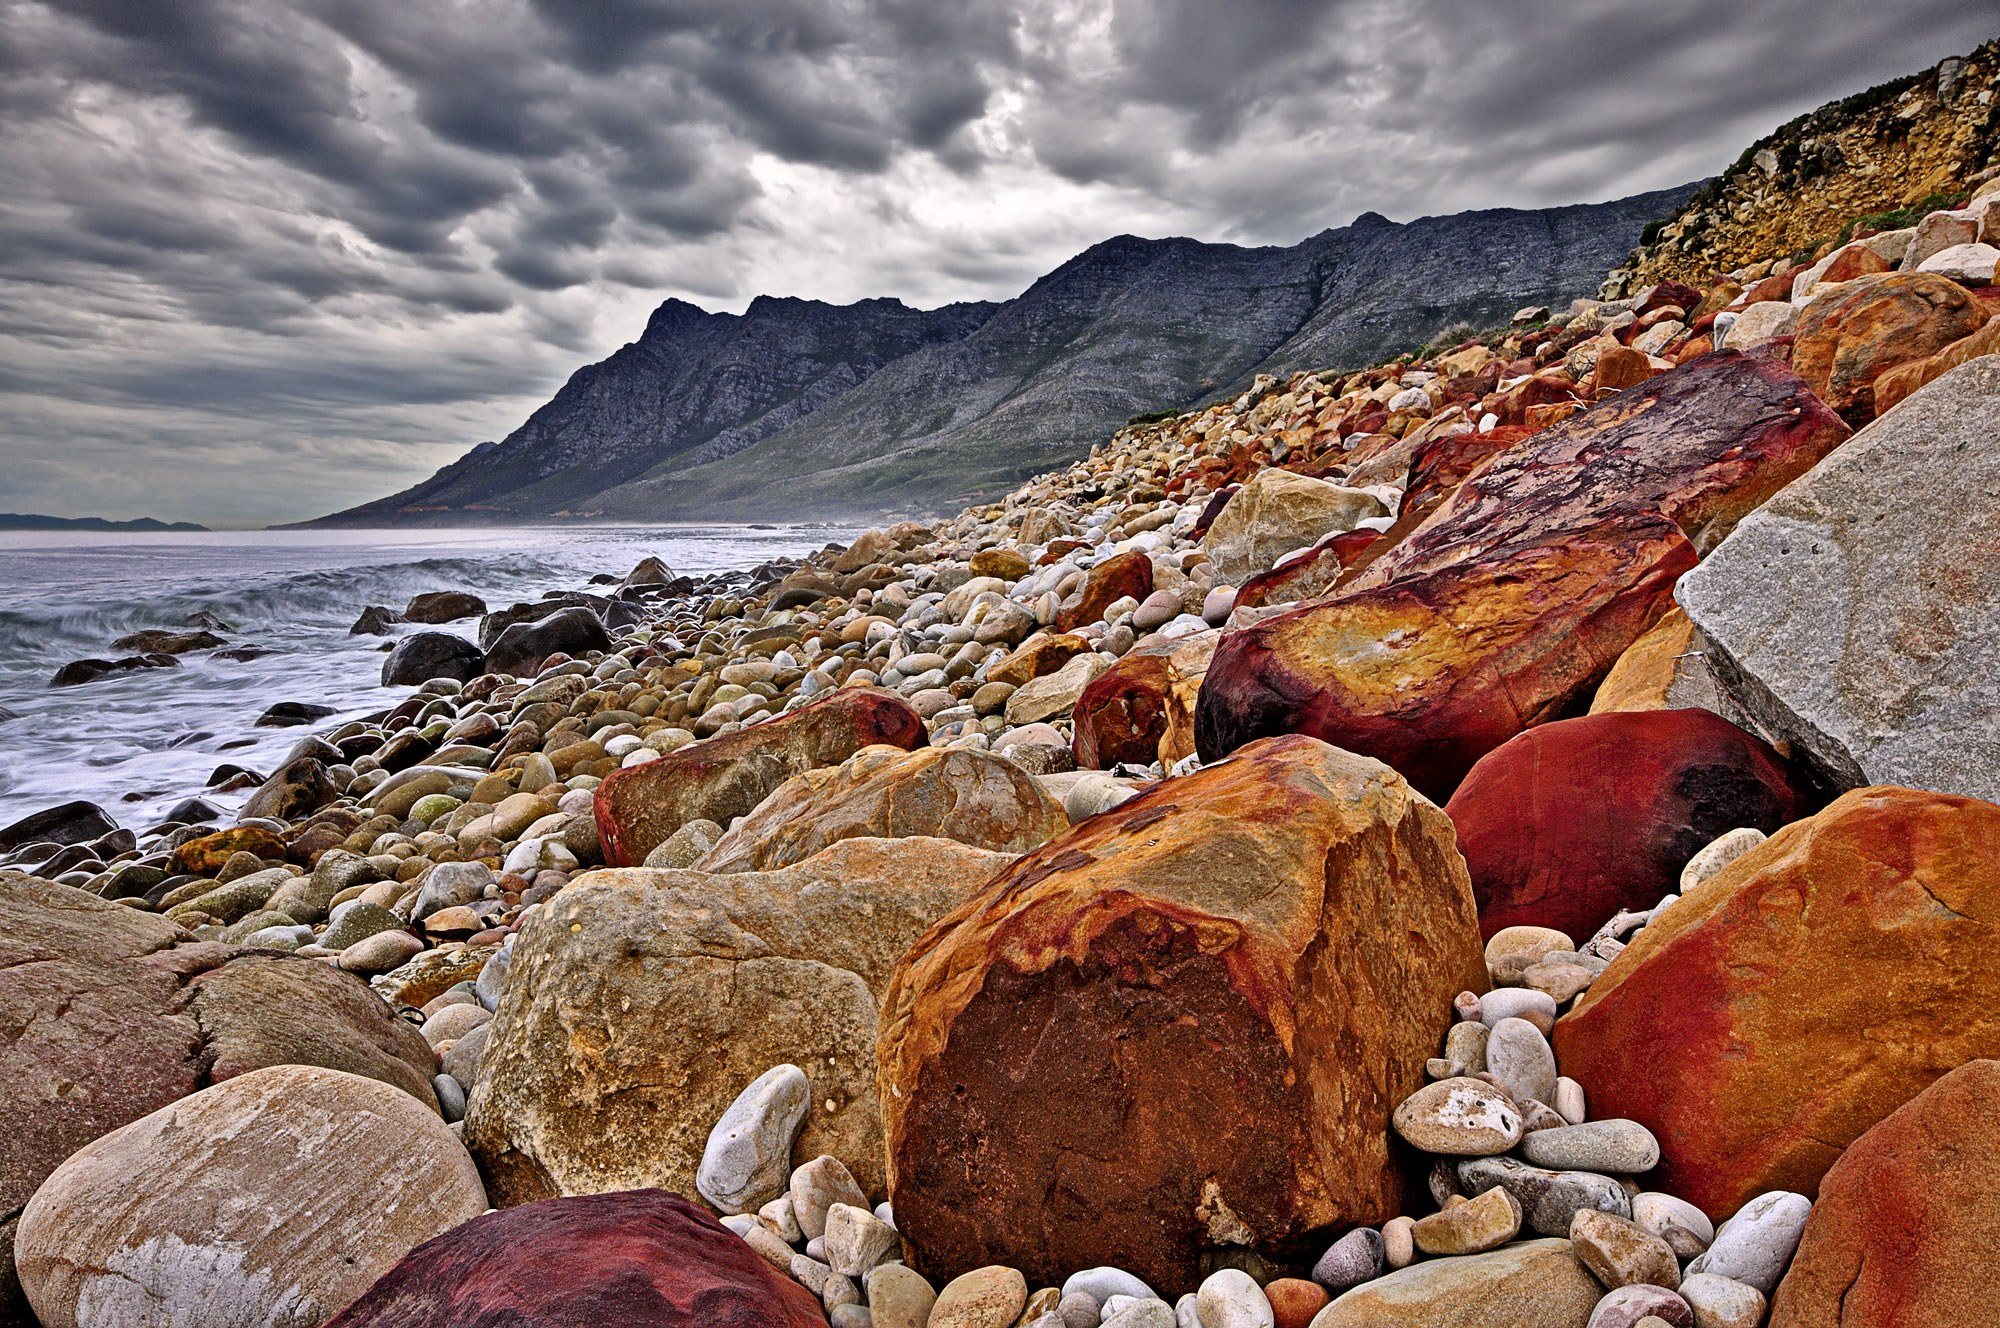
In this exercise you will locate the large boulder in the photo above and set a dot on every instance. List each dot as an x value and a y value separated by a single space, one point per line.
115 1013
1481 652
641 1002
1276 512
1129 573
1532 1284
1849 336
1808 989
297 789
69 823
274 1198
1125 713
725 777
1903 1232
888 793
443 606
1898 383
1665 670
523 646
1181 1025
1857 616
638 1259
1570 823
1506 607
422 656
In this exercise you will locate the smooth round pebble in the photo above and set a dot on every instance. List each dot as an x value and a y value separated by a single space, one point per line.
1399 1247
1722 1302
1757 1244
1294 1301
1231 1298
1656 1212
1353 1259
1079 1310
1622 1147
1459 1118
1537 1007
1621 1253
1719 853
899 1297
989 1297
1518 1055
1104 1282
744 1164
1143 1314
1625 1306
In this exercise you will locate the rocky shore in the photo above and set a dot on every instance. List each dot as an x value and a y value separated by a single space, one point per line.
1501 837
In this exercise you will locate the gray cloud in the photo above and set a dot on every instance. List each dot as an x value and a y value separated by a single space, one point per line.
263 258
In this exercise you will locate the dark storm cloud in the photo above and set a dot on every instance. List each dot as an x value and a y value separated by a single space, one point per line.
354 236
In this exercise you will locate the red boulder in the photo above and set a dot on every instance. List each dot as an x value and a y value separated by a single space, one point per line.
635 1258
1847 338
1128 573
1567 824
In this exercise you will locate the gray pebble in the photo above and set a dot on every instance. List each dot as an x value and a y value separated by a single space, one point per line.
1612 1146
1144 1314
743 1166
1756 1245
1549 1199
1519 1057
817 1186
1353 1259
451 1097
1102 1283
1079 1310
851 1316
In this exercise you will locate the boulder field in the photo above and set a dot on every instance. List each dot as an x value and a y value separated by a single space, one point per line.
1502 837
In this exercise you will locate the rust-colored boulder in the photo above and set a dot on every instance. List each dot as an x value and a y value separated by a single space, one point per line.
1569 823
1620 367
725 777
1129 573
1896 384
1903 1235
1848 337
1788 1003
887 793
206 855
637 1259
1431 672
1125 712
1644 676
1510 602
1183 1024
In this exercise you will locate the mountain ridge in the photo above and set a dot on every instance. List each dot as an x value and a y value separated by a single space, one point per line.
800 408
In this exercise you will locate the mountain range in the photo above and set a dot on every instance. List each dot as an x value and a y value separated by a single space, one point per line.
798 408
33 521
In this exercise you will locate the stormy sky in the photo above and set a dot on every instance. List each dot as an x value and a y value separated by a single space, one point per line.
261 259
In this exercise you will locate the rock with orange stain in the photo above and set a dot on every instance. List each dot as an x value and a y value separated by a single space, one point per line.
1903 1233
1898 383
1129 573
1849 336
1513 599
1184 1023
1784 1006
637 808
1126 711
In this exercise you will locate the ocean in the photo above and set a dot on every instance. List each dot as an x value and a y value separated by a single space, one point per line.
136 743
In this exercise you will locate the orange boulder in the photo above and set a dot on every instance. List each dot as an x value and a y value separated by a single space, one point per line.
1903 1234
1904 379
1129 573
1125 712
1183 1024
1788 1003
725 777
1847 338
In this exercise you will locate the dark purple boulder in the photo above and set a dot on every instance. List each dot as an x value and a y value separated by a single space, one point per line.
634 1258
426 655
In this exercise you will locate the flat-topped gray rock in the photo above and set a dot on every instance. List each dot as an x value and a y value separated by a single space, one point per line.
1857 614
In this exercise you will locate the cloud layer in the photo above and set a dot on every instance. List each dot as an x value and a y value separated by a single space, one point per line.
260 259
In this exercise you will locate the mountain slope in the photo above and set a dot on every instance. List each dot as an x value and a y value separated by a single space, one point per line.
797 407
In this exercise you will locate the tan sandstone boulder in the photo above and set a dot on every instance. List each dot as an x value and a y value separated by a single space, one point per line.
1275 512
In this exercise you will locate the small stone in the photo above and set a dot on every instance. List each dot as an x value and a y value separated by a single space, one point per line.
989 1297
1043 1301
820 1184
1516 948
1460 1118
1569 1102
1757 1244
810 1273
899 1297
1294 1301
851 1316
1231 1298
381 952
1186 1312
839 1290
1722 1302
1079 1310
1104 1282
1621 1252
1537 1007
1399 1247
355 921
1559 980
1143 1314
743 1165
777 1215
1538 1116
1518 1055
1611 1146
1483 1223
855 1240
1353 1259
1631 1306
1549 1199
1718 854
1659 1212
1465 1045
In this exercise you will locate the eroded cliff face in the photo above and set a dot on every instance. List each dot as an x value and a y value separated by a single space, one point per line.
1930 134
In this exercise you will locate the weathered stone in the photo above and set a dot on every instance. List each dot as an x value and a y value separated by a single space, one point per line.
1263 950
888 793
1510 602
899 1297
747 1161
1276 512
1898 383
1665 670
1125 713
68 823
1533 1284
1903 1231
1801 992
1641 1305
1621 1252
1847 337
206 855
521 647
421 656
1054 695
1036 657
1550 1200
1723 1302
690 986
1618 1146
1483 1223
443 606
1573 822
989 1297
1124 574
638 1259
1854 615
638 807
298 789
276 1197
1756 1245
1459 1118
